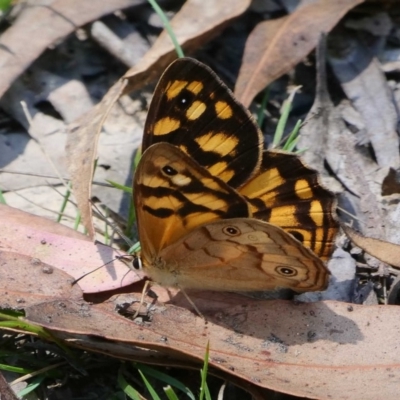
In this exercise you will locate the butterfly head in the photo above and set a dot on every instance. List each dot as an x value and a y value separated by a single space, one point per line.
137 262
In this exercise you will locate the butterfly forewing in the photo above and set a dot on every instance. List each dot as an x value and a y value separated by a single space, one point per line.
287 193
173 195
194 110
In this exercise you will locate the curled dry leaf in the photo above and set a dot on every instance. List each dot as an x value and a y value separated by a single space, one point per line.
320 122
387 252
326 137
81 150
60 18
276 46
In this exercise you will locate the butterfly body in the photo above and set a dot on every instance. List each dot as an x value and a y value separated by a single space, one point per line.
214 210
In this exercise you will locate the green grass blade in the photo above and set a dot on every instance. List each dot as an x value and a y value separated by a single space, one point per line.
18 370
131 211
167 379
118 186
134 249
126 387
2 198
287 105
150 388
32 386
204 391
64 203
168 28
170 393
9 321
78 221
5 5
293 138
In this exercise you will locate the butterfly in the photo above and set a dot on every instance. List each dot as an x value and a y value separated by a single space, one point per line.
196 233
214 209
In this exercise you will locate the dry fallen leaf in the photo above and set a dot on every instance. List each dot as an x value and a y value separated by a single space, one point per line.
276 46
59 18
319 350
326 137
391 183
81 151
316 350
195 24
387 252
33 238
320 122
27 281
364 83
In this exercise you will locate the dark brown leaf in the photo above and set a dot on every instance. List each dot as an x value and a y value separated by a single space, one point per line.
276 46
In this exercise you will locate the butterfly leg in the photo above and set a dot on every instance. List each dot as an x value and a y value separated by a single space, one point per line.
144 292
192 303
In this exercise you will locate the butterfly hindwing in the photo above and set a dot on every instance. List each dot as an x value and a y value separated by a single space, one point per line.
241 254
195 111
287 193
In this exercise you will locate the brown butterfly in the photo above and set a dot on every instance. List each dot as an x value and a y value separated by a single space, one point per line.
196 233
195 111
211 203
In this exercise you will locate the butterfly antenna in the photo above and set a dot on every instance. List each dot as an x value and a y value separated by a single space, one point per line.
90 272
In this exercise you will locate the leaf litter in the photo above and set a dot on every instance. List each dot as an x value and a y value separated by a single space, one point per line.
317 350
